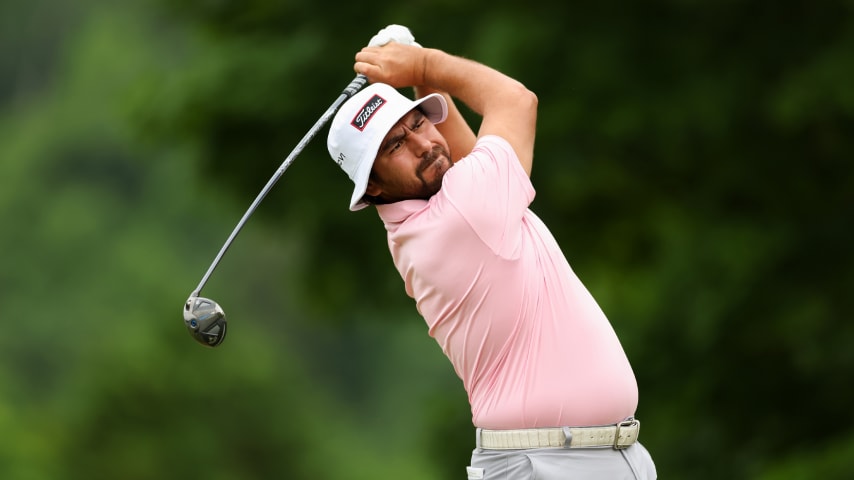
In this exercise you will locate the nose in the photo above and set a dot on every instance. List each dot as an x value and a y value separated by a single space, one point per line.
418 143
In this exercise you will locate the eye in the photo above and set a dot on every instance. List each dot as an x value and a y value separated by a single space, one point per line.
396 146
418 124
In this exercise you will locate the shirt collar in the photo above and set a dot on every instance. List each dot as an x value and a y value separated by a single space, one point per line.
398 212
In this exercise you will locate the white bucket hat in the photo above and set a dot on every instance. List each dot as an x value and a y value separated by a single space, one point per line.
361 124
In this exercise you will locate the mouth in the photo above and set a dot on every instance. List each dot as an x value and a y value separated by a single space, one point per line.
435 163
435 159
431 171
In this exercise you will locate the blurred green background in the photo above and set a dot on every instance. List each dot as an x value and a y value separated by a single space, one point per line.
694 160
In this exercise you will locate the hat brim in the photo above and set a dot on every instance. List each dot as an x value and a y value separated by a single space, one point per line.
435 109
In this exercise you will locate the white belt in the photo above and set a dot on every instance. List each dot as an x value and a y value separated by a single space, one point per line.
619 436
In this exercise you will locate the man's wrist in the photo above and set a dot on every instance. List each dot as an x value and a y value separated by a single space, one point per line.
428 59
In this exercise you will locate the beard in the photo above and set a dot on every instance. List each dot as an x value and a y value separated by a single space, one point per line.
434 164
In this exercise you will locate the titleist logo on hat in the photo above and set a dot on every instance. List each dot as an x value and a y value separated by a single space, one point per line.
366 113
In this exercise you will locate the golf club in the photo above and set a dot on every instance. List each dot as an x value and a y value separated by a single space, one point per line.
203 317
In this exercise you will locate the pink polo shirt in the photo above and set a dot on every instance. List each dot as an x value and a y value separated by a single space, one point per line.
529 342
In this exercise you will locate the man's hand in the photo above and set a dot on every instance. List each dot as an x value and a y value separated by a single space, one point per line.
395 64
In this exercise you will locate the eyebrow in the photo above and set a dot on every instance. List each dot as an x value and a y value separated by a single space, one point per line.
418 115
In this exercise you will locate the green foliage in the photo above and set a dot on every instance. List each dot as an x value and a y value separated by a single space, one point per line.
693 159
105 235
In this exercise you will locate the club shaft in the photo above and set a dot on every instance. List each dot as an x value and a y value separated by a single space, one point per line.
355 85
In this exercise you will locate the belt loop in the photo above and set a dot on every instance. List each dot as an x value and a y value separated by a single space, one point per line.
628 422
567 433
477 441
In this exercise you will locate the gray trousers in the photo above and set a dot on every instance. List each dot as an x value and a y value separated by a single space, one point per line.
633 463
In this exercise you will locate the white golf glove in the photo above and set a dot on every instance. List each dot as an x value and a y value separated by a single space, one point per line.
393 33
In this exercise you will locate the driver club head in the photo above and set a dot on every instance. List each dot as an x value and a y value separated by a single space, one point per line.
205 320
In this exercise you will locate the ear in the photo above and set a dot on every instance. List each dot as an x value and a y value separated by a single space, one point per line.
373 189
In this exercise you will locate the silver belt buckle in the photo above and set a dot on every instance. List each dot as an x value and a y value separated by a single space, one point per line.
626 423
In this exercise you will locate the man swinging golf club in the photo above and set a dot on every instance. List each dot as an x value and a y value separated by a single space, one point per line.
550 387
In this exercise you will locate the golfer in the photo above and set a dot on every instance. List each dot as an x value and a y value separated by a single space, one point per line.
552 393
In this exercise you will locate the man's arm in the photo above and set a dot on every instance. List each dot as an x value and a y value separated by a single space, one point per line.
509 110
457 132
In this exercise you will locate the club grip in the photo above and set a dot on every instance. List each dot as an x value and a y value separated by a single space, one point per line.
355 85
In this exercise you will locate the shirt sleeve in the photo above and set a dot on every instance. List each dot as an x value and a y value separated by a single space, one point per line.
491 191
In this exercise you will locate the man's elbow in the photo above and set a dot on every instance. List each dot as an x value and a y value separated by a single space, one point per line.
526 98
532 99
527 102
